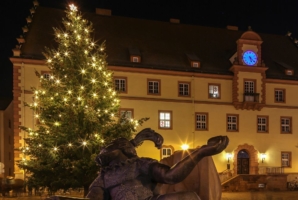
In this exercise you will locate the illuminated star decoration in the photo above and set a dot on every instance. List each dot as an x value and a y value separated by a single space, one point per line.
73 7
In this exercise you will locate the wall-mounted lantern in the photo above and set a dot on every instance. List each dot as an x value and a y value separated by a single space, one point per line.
263 157
229 156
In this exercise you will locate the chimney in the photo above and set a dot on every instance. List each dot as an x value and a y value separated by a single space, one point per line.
104 12
175 21
233 28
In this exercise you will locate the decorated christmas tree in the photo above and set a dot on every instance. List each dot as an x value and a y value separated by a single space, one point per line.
76 111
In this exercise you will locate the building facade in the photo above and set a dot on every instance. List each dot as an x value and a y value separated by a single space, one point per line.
6 138
192 82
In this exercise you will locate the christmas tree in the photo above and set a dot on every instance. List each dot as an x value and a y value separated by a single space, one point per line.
76 109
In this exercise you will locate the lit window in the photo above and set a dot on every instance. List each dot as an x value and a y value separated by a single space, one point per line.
153 87
262 124
286 158
214 91
286 124
279 95
165 119
166 151
201 121
232 122
184 89
120 84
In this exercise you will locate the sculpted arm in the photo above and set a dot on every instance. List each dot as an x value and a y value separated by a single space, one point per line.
177 173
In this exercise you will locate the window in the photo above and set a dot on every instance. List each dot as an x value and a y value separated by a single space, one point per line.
120 84
135 59
184 89
195 64
46 74
127 112
280 95
202 121
286 124
232 122
289 72
214 91
165 119
262 124
286 159
249 86
166 151
154 87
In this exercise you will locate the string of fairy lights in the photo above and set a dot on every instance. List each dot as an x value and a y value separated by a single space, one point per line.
95 90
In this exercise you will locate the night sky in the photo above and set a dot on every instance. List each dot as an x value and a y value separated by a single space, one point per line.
263 16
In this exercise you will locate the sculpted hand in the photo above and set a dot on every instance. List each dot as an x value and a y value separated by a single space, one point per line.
214 146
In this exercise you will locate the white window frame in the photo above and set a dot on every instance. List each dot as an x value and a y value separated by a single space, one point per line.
154 87
165 119
128 113
184 89
120 84
279 95
286 158
166 151
286 124
201 121
214 91
232 122
262 124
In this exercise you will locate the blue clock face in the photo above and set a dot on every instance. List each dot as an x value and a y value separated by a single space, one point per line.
250 57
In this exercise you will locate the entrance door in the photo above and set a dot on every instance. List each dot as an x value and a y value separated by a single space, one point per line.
242 162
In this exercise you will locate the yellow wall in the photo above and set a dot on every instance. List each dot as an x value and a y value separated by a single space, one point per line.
183 131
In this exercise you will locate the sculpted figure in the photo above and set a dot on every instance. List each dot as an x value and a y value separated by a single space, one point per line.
125 176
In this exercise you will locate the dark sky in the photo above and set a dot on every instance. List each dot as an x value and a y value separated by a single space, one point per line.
263 16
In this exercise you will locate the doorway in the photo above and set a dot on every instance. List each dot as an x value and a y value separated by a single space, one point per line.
242 162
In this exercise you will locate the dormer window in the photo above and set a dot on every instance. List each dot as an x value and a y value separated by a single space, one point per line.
288 69
195 64
135 59
193 60
135 55
289 72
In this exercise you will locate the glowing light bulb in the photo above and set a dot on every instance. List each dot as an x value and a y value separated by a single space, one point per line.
84 143
185 146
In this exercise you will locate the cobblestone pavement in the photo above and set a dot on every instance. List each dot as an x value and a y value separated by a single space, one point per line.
288 195
266 195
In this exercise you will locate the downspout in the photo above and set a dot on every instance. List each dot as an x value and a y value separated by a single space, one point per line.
194 110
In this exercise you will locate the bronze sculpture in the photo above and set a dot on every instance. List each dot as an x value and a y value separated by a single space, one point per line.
125 176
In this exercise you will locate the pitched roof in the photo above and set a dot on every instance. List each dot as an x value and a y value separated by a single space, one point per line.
4 103
163 45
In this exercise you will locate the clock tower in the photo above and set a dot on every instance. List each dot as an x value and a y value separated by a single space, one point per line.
249 49
249 73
